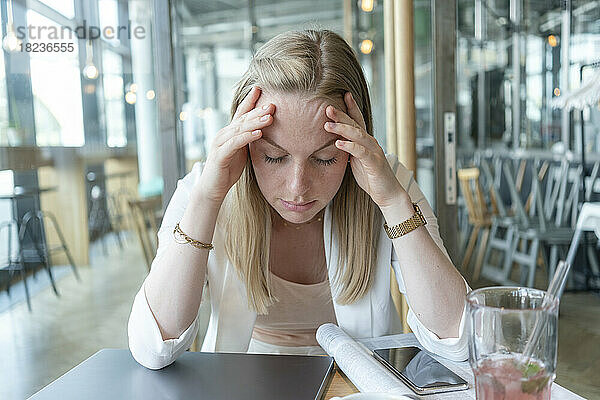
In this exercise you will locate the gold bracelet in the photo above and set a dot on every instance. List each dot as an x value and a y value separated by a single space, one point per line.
181 238
407 226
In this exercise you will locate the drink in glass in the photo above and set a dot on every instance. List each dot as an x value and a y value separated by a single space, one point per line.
501 321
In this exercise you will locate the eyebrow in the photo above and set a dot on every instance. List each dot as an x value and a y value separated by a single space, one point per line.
272 143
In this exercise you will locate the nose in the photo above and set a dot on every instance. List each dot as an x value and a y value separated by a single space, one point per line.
299 182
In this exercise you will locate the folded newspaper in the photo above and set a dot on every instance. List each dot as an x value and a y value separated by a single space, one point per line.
354 357
356 361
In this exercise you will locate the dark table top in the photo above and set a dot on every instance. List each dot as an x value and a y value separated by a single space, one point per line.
114 374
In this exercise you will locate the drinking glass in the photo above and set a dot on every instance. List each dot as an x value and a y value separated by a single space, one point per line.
501 321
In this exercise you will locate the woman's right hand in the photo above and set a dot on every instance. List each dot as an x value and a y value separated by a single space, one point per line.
229 151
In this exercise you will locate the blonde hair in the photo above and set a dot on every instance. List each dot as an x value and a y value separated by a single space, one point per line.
317 64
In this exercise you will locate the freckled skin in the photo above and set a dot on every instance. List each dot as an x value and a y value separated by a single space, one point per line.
298 177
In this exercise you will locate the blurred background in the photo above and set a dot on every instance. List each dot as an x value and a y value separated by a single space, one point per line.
104 104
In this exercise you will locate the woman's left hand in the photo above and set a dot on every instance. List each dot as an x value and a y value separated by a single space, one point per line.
367 159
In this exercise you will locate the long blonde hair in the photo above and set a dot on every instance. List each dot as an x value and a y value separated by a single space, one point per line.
318 64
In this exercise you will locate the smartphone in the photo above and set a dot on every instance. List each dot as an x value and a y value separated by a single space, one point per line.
419 371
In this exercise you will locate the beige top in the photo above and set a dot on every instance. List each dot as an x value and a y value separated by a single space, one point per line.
294 319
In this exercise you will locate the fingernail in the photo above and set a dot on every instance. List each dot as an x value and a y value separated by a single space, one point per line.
265 106
329 125
265 117
256 132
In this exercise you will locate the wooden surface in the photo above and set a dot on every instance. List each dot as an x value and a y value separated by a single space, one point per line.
339 385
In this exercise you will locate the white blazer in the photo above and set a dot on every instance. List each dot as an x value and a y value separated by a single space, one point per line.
231 319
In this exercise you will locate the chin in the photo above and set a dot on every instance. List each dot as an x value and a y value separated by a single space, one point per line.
295 217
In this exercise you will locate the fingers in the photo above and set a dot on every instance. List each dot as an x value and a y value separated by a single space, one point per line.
355 150
248 103
230 148
338 115
353 110
255 115
348 127
352 133
257 118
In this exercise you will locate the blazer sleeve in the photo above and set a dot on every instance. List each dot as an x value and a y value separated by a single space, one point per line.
145 340
455 349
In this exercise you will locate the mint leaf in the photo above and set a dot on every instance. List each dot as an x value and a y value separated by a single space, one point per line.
534 385
529 370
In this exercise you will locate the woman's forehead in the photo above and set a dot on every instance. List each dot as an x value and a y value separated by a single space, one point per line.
298 122
298 102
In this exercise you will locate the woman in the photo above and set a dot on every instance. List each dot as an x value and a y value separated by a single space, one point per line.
293 196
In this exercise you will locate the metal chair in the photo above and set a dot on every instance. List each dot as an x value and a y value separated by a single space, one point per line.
544 224
44 250
99 220
118 213
505 221
12 264
502 228
506 233
588 221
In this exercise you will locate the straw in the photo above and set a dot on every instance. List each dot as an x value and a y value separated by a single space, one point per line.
554 292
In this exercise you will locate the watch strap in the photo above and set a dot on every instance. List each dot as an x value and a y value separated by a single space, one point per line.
407 226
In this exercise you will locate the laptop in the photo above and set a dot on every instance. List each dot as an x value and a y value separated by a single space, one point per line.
114 374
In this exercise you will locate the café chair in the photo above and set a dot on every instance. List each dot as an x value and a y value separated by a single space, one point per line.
479 217
147 215
547 225
119 217
588 221
503 224
12 264
504 219
100 221
34 221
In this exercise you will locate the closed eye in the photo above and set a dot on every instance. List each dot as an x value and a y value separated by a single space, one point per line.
273 160
276 160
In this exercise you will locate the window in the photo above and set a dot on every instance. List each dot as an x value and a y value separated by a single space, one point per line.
6 214
65 7
7 136
114 108
56 87
108 14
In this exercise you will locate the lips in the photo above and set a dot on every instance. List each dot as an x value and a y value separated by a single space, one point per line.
297 206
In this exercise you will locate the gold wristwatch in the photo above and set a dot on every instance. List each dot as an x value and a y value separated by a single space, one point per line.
407 226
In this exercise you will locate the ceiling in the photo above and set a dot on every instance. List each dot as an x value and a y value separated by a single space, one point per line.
227 22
